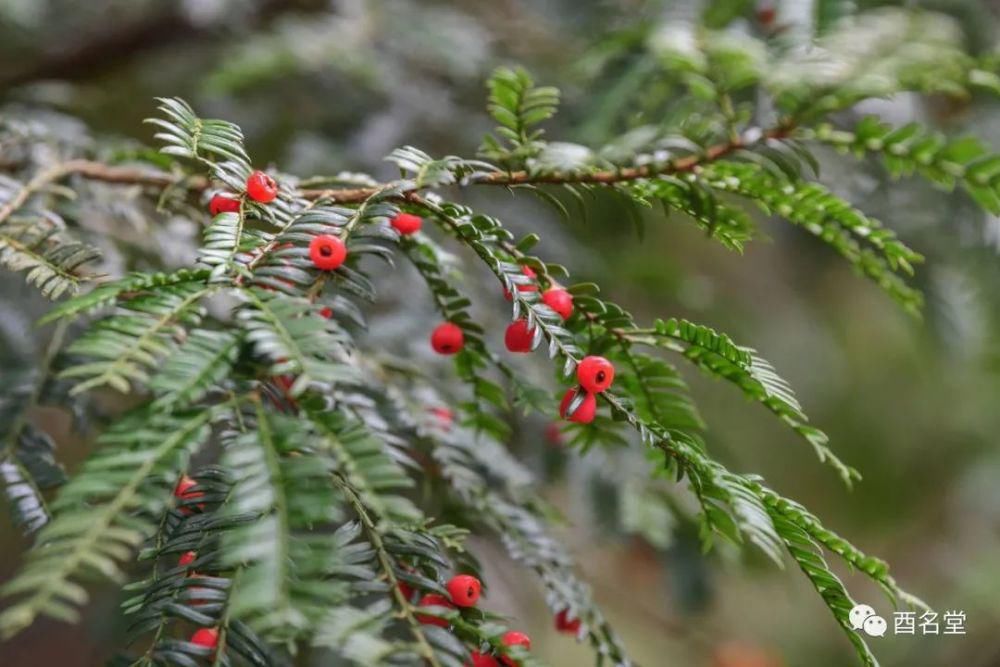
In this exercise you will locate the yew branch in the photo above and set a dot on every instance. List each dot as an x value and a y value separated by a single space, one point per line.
126 175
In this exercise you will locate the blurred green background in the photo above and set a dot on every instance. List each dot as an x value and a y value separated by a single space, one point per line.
322 86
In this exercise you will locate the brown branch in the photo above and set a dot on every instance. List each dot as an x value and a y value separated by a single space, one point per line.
98 171
680 165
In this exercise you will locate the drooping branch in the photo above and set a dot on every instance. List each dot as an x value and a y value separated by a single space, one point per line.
385 562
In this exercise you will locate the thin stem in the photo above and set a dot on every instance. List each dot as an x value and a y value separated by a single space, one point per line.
375 536
36 184
51 351
7 452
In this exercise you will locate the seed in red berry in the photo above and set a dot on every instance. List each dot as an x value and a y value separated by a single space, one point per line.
565 624
482 660
519 337
261 187
207 637
406 223
327 252
559 300
514 638
464 590
524 287
223 204
595 374
584 414
447 338
326 312
186 558
433 600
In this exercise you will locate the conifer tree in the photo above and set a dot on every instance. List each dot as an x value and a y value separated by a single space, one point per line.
257 491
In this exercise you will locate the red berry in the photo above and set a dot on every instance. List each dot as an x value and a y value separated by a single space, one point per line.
261 187
444 415
407 223
405 589
559 300
526 287
585 413
519 337
595 374
327 252
447 338
554 434
433 600
183 484
766 13
564 624
207 637
186 558
482 660
737 654
183 491
514 638
223 204
464 590
326 311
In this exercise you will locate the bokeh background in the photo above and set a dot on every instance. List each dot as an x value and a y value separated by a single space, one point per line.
322 86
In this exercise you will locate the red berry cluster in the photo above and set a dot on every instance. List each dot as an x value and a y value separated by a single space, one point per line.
524 287
326 251
447 338
519 336
594 375
512 638
260 187
464 591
